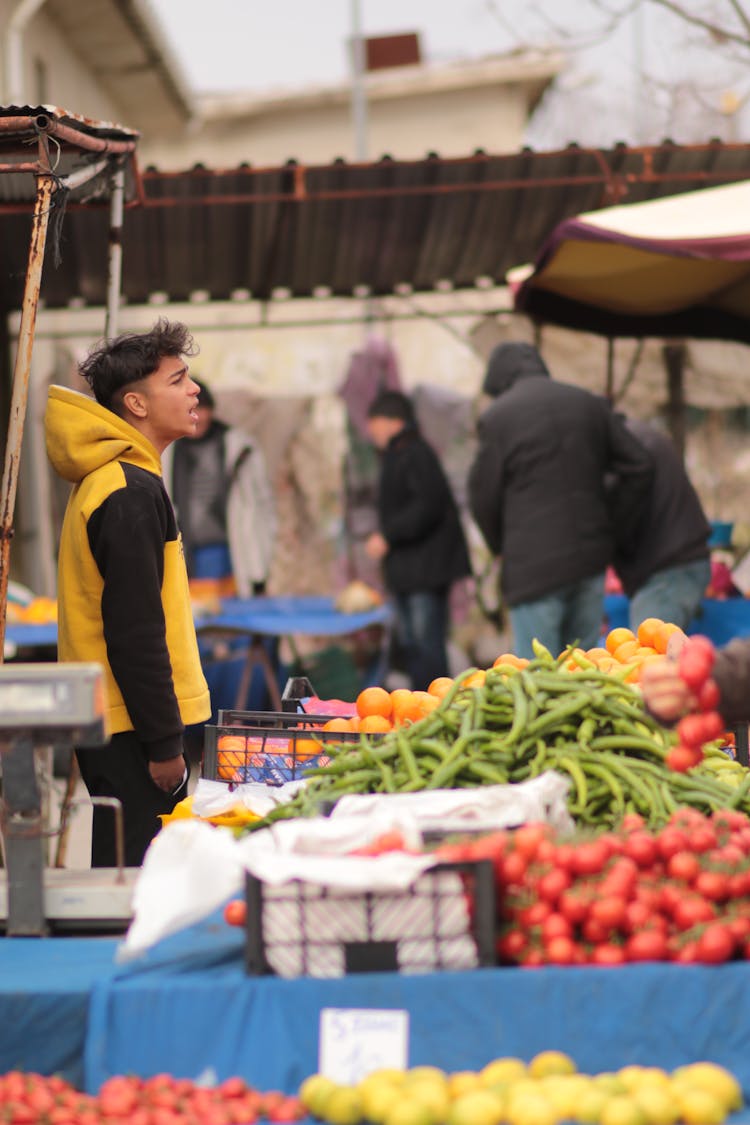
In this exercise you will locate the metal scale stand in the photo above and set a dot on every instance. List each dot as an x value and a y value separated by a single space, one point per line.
40 705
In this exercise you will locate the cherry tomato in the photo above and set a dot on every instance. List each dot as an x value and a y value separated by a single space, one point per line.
716 943
646 945
552 884
561 951
611 912
713 885
683 865
690 730
607 954
709 696
235 912
682 758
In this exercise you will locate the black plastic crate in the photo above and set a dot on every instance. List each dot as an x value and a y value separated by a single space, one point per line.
445 920
271 747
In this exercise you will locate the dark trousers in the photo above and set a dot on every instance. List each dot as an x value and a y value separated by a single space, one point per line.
121 770
423 625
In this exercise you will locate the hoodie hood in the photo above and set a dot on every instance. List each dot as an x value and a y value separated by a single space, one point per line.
82 436
510 362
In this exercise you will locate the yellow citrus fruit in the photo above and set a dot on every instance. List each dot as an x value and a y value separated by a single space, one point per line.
502 1070
476 1107
408 1111
717 1080
660 1105
343 1106
463 1082
589 1108
622 1109
699 1107
531 1108
551 1062
314 1093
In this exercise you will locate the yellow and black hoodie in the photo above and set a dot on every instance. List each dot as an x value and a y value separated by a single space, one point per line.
123 595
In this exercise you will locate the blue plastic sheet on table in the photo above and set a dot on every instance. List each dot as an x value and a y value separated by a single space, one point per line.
277 769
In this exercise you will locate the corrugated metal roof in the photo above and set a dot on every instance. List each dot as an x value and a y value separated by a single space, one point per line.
343 226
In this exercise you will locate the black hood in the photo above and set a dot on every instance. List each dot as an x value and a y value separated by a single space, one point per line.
509 362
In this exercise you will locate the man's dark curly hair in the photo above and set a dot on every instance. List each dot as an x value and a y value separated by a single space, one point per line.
115 364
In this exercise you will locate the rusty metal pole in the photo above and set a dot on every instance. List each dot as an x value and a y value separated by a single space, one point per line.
114 280
20 392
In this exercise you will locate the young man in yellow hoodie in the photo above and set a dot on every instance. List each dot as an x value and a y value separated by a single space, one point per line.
123 595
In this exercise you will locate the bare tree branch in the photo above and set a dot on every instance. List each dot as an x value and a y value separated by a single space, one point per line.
714 30
741 14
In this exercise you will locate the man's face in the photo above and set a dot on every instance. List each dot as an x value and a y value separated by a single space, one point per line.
171 399
381 430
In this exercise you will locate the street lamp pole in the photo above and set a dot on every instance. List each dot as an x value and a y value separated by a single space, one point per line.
359 95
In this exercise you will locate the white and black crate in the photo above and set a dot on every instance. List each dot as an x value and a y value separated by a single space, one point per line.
444 921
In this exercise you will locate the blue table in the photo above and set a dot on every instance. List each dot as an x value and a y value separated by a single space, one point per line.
720 620
188 1007
249 621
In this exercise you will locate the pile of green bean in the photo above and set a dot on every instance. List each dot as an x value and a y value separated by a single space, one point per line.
585 723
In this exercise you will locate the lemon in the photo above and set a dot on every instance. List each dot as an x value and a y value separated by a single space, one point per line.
699 1107
565 1092
417 1073
378 1098
610 1083
343 1106
551 1062
463 1082
589 1109
715 1079
477 1107
622 1110
658 1104
531 1108
432 1093
502 1070
314 1093
409 1111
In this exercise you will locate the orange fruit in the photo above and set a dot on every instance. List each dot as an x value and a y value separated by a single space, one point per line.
440 686
375 724
508 658
476 679
597 653
231 742
616 637
405 708
425 702
374 701
306 748
626 651
662 635
339 725
646 631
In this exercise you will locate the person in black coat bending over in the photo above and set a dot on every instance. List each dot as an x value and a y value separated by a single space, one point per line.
538 490
421 541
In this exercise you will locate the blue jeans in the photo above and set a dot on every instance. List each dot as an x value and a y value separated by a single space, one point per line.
673 595
422 620
572 615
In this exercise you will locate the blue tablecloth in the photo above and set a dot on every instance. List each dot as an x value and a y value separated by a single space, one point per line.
188 1007
314 616
720 620
45 988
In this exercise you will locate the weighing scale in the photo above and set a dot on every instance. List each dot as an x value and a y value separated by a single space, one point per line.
61 705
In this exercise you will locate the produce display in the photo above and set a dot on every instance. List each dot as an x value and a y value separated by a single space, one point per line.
546 1090
679 894
35 1099
520 718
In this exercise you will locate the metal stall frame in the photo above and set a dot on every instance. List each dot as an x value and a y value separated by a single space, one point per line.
70 135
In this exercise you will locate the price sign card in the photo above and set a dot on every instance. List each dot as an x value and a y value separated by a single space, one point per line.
355 1041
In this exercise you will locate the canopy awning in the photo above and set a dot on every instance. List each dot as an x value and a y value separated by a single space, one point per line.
672 267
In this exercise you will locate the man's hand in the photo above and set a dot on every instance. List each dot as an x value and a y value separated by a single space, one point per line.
376 546
665 693
168 775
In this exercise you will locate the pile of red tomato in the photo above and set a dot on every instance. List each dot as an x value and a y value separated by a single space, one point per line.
26 1099
681 893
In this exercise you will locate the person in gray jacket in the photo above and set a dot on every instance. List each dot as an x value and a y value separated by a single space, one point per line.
220 489
538 490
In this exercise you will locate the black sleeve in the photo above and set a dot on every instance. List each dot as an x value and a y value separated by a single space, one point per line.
632 469
127 536
486 490
425 492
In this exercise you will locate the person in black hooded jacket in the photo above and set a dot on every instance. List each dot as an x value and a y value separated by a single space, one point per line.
538 490
421 541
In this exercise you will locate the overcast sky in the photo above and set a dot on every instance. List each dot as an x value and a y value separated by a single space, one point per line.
257 45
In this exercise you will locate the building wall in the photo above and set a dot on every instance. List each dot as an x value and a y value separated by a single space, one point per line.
54 73
452 123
